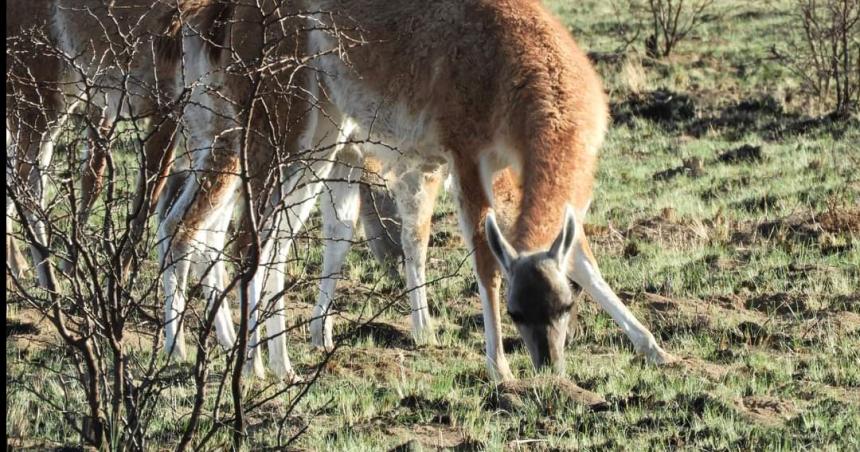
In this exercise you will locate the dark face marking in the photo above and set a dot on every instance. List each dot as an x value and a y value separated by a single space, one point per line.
537 292
539 298
539 302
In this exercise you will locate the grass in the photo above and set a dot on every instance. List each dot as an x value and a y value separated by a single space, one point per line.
750 270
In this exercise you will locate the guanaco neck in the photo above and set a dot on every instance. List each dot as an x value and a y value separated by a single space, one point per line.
559 171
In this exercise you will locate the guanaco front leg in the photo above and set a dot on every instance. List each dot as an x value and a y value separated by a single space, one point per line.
474 205
159 153
212 273
15 261
586 273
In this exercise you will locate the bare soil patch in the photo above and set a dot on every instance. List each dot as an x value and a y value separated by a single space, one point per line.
712 371
849 302
722 308
826 327
693 167
432 436
30 330
781 303
760 334
815 391
663 229
723 318
440 409
511 396
801 228
759 203
383 334
17 328
379 364
662 106
793 228
841 220
764 115
22 445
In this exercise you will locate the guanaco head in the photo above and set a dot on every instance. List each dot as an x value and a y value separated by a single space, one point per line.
539 298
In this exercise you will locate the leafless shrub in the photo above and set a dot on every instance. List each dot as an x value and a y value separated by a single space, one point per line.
669 22
672 21
101 284
824 52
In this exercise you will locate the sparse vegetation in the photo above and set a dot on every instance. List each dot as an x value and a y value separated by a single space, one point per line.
825 52
665 22
726 215
671 22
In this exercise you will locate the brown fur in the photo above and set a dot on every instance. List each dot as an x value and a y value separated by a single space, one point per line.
498 66
276 117
503 83
498 83
508 195
432 181
207 17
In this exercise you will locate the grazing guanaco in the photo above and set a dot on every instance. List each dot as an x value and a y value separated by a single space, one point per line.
482 85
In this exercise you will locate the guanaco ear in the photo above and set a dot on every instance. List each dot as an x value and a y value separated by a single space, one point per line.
563 244
504 252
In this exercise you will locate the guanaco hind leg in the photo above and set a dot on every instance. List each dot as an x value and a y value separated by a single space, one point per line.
340 208
415 191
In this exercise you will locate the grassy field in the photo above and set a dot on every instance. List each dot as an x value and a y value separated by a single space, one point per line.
726 218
